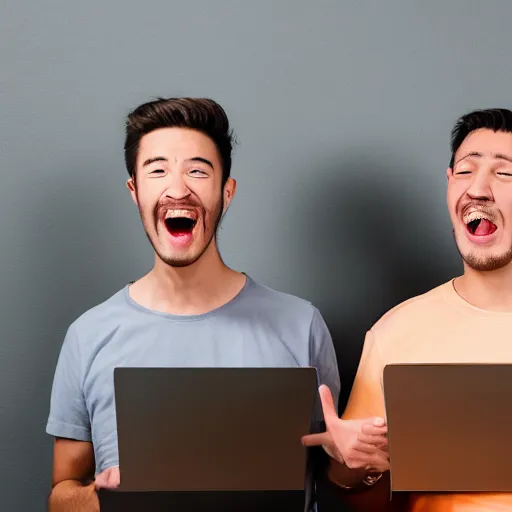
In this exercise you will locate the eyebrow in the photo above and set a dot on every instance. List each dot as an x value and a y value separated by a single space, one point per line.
498 156
200 159
154 159
163 159
501 156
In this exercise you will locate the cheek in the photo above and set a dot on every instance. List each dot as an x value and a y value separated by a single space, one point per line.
146 206
453 196
503 201
210 200
148 195
452 208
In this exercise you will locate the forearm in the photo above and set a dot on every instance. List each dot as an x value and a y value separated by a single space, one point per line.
73 496
343 476
372 499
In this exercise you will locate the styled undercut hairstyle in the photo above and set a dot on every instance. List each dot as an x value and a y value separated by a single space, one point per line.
201 114
496 119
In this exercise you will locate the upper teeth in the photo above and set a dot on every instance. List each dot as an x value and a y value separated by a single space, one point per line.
476 216
179 213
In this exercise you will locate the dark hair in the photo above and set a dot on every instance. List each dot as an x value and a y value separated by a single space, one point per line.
496 119
201 114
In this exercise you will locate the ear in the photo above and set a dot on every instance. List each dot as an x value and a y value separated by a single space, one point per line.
229 193
130 184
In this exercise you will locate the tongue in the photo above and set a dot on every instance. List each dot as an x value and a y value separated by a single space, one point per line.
485 228
180 232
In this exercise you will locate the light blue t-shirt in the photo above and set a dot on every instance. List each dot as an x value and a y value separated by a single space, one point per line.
260 327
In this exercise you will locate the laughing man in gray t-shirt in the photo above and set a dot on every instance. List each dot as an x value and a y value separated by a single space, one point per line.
189 310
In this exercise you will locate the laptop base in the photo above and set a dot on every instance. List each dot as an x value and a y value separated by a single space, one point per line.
225 501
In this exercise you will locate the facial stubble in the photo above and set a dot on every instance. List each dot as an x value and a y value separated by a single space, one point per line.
216 214
484 263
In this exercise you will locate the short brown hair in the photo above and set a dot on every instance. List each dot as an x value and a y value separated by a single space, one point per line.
495 119
201 114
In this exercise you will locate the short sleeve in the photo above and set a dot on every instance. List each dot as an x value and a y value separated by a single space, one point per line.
323 358
68 412
367 398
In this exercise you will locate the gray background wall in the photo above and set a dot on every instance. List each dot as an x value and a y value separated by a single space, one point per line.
343 109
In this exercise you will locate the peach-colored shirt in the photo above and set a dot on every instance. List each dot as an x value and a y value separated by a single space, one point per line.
437 327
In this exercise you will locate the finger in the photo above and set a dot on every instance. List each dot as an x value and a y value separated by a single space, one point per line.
378 441
113 478
316 439
377 437
328 406
108 479
372 430
380 462
378 422
376 460
101 480
365 448
380 457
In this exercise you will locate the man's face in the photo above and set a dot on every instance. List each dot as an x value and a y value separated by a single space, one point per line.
480 199
178 190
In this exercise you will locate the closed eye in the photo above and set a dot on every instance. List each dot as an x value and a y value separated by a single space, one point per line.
198 173
157 171
505 174
463 172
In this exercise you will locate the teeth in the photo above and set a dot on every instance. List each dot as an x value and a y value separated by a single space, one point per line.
172 214
475 216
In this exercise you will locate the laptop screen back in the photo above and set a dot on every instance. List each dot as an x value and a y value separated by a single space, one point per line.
213 429
449 426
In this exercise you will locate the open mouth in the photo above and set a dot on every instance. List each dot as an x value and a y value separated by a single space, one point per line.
478 225
180 226
180 223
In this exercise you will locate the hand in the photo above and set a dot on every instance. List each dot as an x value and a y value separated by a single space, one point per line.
108 479
359 444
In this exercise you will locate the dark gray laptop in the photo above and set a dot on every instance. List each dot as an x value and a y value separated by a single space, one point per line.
449 426
213 429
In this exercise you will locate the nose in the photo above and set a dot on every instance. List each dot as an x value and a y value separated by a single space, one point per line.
177 188
480 187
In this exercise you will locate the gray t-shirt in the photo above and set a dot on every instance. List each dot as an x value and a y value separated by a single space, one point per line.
260 327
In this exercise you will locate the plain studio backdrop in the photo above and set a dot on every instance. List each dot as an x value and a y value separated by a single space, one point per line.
343 111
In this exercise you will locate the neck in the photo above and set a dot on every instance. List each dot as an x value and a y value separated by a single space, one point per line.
490 290
192 290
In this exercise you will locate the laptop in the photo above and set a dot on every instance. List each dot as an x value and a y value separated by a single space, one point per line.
449 427
204 432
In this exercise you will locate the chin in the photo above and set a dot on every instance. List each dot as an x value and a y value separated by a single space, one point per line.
487 261
179 260
183 257
179 263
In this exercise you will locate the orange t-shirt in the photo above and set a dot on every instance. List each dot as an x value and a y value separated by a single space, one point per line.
437 327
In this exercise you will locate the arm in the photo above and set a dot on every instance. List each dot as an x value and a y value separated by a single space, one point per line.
357 447
73 487
344 476
323 358
373 499
68 424
366 401
357 443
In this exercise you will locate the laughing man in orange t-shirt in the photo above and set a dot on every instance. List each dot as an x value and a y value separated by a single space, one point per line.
468 319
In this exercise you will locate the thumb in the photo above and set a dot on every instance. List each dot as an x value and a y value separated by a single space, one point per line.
328 407
316 439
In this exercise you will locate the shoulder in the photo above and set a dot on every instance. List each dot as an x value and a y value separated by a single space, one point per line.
95 319
271 300
84 335
414 311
